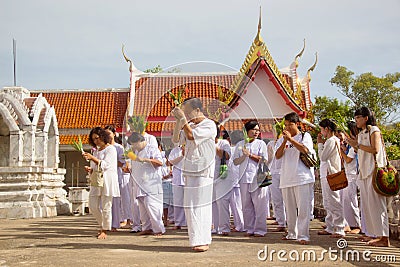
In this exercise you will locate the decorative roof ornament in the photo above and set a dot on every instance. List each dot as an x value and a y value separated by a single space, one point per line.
312 67
300 54
258 40
127 59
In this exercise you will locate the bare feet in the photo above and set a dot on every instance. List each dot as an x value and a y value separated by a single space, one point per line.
303 242
102 235
280 229
379 242
248 234
114 229
202 248
146 232
224 233
158 235
355 231
323 232
336 236
258 235
177 227
347 229
365 238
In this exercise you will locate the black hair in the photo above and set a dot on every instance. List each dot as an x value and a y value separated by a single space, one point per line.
218 129
225 134
352 128
194 103
103 135
366 112
292 117
329 124
236 136
135 137
251 125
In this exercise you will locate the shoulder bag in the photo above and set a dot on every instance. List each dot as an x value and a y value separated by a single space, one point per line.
223 169
337 180
264 177
96 177
385 180
307 158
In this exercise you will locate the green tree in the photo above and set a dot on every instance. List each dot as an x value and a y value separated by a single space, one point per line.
378 93
156 69
327 107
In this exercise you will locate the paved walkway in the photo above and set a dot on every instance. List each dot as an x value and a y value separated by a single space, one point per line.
70 241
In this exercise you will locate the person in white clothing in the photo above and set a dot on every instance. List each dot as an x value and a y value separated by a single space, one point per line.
297 179
276 192
329 154
105 159
222 187
222 149
348 195
369 145
247 155
198 134
148 177
175 158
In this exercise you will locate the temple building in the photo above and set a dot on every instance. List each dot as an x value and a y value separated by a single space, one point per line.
259 90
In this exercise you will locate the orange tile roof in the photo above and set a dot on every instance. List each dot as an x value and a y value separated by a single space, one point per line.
151 92
77 110
67 139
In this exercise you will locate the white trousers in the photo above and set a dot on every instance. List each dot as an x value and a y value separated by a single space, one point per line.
100 206
374 208
198 193
215 211
126 206
277 200
334 219
151 211
236 209
223 212
136 225
297 201
179 212
349 199
255 207
116 212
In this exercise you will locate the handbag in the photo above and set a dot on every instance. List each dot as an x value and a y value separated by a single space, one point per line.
223 169
385 180
337 180
96 177
307 158
264 177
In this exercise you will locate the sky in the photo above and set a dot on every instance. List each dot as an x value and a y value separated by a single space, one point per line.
77 43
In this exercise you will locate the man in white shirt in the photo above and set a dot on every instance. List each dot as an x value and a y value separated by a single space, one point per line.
198 133
297 179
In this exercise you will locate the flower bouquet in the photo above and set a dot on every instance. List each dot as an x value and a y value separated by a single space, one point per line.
137 124
279 127
77 145
178 98
130 154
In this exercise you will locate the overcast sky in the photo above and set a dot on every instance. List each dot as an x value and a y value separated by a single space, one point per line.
77 43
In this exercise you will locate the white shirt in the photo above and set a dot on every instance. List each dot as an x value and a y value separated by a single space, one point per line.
351 167
329 152
233 170
366 160
108 165
147 177
248 168
121 159
276 164
293 171
177 177
150 139
224 145
199 157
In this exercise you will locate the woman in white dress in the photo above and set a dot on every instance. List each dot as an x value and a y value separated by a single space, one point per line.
104 158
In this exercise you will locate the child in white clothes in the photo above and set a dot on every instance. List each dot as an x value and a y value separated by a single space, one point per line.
148 178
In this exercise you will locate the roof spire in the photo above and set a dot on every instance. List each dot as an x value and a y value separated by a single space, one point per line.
258 40
312 67
300 54
127 59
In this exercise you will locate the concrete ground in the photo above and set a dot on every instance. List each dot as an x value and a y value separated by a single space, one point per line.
66 241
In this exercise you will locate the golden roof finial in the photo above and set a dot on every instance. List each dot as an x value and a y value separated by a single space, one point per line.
127 59
258 40
312 67
300 54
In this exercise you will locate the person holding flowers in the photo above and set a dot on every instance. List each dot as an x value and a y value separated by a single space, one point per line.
148 177
247 155
198 134
104 159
